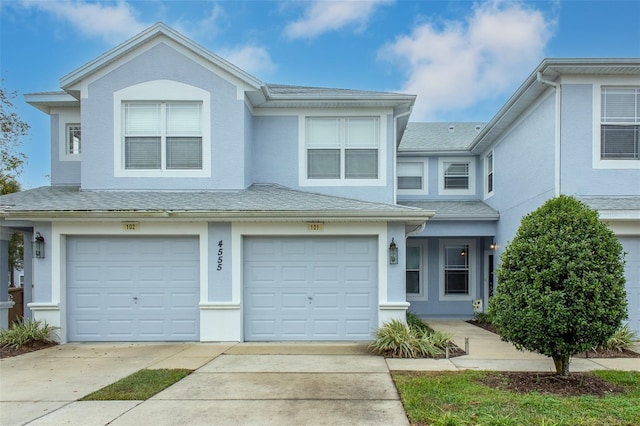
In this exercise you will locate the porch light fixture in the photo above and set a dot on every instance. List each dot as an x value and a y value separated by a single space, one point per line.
38 246
493 245
393 252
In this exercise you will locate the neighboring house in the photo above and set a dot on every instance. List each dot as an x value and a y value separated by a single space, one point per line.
571 128
191 201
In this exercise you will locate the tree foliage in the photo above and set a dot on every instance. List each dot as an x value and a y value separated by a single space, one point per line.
560 283
12 130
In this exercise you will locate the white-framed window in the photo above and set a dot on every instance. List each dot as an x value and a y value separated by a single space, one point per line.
162 135
412 177
342 150
488 168
619 123
457 176
73 139
162 129
457 260
416 270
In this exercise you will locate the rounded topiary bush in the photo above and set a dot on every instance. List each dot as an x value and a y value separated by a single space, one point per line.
560 283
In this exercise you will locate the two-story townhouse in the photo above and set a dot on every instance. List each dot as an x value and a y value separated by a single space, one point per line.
571 128
191 201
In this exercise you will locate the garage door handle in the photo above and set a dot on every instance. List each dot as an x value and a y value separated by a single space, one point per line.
135 298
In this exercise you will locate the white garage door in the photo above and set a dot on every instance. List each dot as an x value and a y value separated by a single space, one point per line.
631 246
132 289
310 288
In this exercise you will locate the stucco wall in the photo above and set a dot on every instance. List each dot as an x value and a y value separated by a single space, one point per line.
162 62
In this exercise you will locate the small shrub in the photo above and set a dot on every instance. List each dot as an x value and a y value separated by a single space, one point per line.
483 317
395 339
415 322
27 332
622 339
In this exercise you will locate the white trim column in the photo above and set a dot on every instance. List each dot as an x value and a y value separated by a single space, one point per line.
5 303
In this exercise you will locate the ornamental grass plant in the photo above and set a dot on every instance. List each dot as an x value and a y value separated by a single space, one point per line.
27 332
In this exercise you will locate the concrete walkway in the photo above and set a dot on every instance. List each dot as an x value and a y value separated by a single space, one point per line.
488 352
245 383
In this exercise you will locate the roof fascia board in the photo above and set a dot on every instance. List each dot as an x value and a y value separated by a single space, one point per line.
46 101
549 66
71 80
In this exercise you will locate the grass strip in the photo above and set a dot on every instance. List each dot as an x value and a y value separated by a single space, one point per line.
140 385
458 398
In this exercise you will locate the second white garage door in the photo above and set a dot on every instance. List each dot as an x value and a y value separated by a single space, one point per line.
310 288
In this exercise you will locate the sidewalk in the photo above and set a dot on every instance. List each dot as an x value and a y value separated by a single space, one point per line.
488 352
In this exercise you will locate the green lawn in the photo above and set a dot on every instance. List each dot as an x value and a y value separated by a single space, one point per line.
141 385
457 398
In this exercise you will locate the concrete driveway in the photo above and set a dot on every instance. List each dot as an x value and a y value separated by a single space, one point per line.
233 384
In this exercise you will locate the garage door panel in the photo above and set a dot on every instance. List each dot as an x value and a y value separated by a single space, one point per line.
314 288
133 288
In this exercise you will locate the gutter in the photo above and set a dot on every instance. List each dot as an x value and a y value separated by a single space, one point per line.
558 135
416 218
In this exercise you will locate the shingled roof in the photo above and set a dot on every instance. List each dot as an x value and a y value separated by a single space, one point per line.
456 209
266 202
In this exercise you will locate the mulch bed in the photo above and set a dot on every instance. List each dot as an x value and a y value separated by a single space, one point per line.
625 353
31 347
575 384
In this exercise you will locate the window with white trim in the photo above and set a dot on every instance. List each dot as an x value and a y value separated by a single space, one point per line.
73 139
620 123
411 177
413 270
162 135
415 275
456 269
457 176
488 165
342 148
457 260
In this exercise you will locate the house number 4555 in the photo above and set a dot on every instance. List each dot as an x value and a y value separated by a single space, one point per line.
220 252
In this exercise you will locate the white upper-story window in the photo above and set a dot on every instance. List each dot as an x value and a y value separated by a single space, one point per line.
412 176
457 176
620 123
73 139
488 167
342 148
162 135
162 129
345 150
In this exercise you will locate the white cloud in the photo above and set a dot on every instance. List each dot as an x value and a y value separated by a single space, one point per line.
111 22
471 60
322 16
253 59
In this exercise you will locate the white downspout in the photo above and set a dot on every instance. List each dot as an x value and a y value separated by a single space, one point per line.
558 148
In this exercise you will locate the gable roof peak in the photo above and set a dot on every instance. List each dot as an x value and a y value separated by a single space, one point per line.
156 30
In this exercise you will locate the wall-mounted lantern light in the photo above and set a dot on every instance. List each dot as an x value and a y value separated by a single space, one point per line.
493 245
38 246
393 253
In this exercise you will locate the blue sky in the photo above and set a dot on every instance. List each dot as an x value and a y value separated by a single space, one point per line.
463 59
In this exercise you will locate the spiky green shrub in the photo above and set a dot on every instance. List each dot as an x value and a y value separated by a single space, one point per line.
396 339
413 321
27 332
622 339
560 283
483 317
